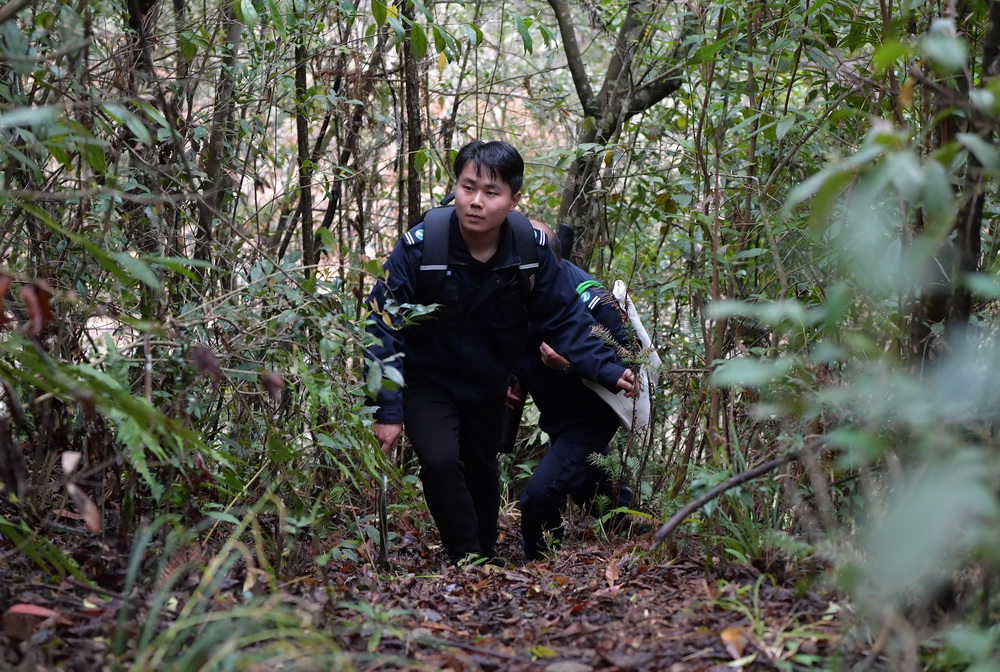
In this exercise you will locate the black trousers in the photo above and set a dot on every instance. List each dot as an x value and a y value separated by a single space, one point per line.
566 470
456 443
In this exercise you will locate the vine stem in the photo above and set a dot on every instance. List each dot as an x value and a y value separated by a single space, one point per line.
743 477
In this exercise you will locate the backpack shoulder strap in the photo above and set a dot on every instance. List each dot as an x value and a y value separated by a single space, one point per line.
527 239
434 262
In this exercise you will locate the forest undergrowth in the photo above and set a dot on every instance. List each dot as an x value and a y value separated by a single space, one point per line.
172 601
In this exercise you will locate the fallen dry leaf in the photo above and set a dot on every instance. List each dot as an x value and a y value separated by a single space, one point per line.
21 620
611 573
70 461
735 641
91 516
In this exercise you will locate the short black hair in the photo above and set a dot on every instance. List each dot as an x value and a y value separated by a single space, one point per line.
499 158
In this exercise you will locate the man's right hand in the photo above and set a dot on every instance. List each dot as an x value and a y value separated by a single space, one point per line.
387 435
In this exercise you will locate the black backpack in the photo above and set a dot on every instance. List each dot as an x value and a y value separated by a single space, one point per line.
434 263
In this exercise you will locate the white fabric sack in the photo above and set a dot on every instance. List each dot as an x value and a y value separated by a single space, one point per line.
633 413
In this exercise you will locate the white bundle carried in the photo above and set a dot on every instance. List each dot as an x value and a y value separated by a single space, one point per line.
633 413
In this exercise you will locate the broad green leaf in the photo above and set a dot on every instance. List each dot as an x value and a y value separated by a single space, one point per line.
985 153
29 116
980 284
96 159
248 13
707 51
418 41
784 125
122 114
906 173
948 54
397 27
888 54
178 264
187 46
277 18
747 372
140 270
420 158
473 33
943 502
379 12
521 23
327 239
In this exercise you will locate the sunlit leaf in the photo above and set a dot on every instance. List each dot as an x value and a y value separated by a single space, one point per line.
123 115
748 372
138 269
987 155
948 54
943 502
29 116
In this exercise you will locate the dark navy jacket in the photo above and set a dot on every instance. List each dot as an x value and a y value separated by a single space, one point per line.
562 400
471 344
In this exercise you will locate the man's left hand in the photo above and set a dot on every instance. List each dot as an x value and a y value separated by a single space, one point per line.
628 385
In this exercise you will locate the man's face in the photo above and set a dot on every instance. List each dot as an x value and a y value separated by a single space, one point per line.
482 201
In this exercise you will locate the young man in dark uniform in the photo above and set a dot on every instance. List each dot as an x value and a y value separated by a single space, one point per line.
578 422
456 363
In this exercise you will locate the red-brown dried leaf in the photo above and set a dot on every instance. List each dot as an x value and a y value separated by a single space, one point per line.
36 300
207 364
20 621
273 384
5 282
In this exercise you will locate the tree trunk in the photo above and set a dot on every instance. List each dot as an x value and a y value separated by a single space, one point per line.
625 93
214 151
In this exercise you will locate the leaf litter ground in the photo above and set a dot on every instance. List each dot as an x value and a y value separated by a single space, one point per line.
597 604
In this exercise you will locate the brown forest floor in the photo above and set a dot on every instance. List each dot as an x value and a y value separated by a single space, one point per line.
596 605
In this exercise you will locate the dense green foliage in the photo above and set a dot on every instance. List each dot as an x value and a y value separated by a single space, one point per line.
195 199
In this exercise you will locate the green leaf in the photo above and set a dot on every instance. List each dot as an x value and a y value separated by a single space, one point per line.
327 239
248 13
379 11
985 153
906 173
418 41
473 33
187 46
888 54
707 51
94 154
420 158
397 27
982 285
948 54
138 269
123 115
422 8
277 18
784 125
943 502
178 264
29 116
521 23
747 372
